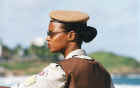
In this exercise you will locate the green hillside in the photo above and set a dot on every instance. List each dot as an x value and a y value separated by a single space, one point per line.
117 64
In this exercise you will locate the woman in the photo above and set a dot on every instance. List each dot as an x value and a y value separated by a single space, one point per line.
67 31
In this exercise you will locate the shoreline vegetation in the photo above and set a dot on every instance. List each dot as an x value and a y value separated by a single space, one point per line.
115 64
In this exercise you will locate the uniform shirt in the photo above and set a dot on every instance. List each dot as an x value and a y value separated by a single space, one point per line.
53 76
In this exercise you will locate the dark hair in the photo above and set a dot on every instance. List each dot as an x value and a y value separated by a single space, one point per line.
84 33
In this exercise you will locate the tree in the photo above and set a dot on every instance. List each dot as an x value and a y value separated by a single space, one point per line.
42 52
7 52
17 50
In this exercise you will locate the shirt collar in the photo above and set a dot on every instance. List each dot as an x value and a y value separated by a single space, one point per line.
78 53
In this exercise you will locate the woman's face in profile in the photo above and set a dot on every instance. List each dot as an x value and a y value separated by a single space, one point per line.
57 37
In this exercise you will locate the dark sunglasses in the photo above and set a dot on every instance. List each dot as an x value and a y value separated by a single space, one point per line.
51 34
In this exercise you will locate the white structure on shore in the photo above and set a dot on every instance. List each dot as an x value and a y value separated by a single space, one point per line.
0 47
38 42
0 50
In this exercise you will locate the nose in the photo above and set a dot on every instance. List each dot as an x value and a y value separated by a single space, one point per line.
48 38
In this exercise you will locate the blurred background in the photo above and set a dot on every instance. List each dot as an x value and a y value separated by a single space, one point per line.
24 24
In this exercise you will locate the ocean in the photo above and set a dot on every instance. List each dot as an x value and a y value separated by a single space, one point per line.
126 81
130 81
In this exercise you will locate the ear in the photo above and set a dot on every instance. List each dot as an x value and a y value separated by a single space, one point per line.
71 36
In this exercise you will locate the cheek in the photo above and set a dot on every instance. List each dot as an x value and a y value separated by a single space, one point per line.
58 43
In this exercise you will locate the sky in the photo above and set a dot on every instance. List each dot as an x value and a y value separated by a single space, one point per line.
117 22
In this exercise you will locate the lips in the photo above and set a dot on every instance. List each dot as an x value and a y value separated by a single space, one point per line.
48 45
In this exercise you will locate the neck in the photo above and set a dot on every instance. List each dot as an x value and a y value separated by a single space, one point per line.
70 47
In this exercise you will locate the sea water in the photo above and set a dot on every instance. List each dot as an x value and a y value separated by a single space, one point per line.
127 81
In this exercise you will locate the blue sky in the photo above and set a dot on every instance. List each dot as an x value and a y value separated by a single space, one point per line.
117 22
